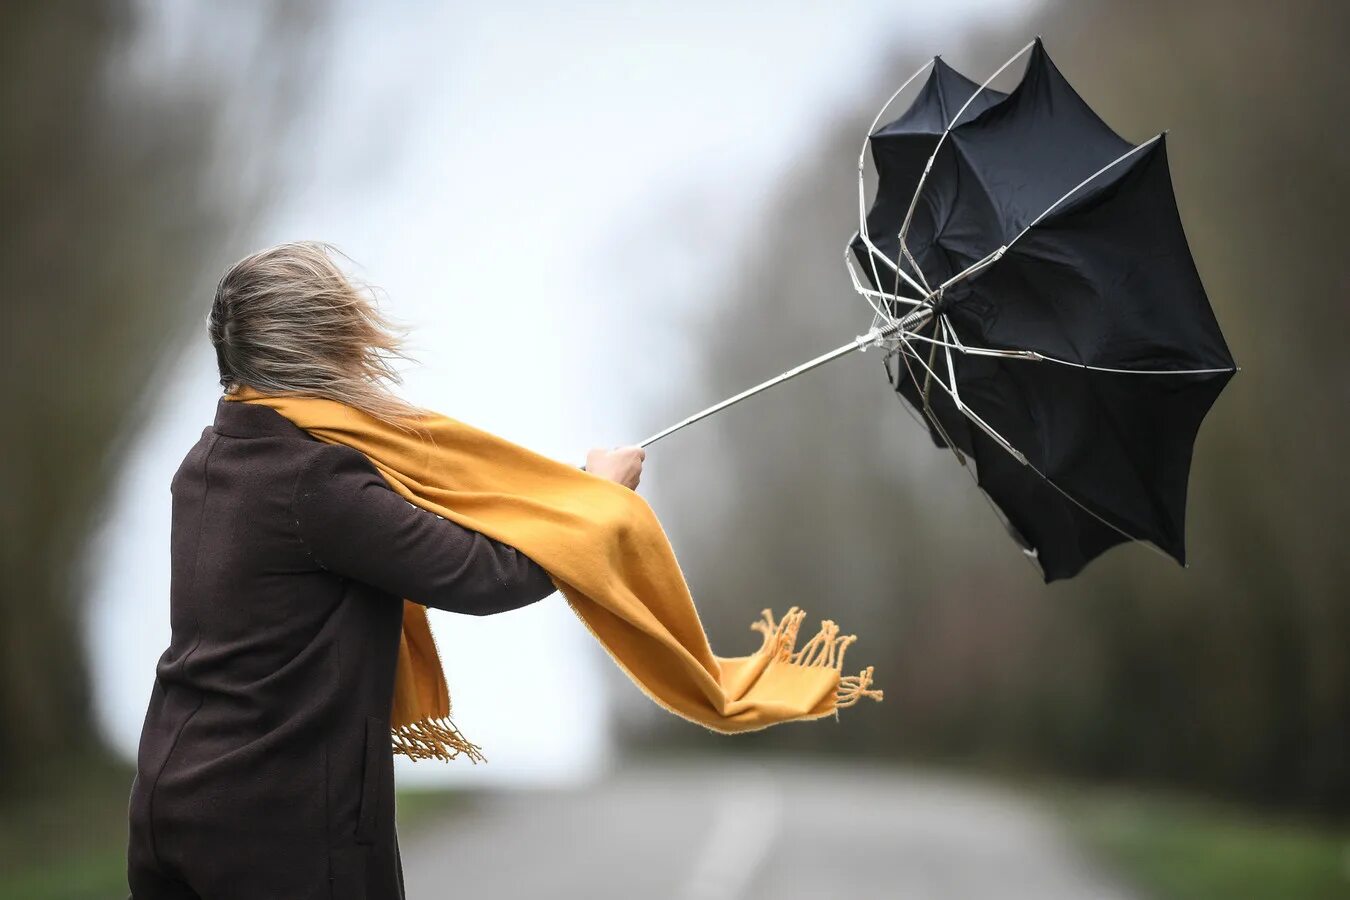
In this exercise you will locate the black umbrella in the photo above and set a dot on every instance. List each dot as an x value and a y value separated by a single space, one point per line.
1033 288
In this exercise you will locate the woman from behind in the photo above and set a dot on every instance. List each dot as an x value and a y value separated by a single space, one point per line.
266 766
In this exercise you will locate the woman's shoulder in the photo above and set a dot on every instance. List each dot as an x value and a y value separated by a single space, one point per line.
327 467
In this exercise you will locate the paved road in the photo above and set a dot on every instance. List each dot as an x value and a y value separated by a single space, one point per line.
721 831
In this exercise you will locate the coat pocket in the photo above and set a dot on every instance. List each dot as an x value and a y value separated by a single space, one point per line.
372 780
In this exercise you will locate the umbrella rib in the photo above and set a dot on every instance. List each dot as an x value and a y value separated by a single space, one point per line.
905 254
1029 556
875 251
1037 356
1074 365
1119 159
886 361
877 312
928 386
862 191
867 294
947 352
862 154
928 412
974 416
1121 531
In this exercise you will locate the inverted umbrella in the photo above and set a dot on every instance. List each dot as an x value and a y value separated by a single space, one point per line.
1038 305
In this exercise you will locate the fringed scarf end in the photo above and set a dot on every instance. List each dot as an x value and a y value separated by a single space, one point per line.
434 738
825 650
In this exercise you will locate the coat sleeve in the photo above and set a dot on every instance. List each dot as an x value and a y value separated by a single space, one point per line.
355 525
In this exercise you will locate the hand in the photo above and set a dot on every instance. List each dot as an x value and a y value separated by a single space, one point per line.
622 465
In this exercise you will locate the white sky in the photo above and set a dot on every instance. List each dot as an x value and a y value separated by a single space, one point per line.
503 172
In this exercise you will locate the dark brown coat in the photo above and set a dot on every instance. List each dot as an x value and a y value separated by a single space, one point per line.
265 766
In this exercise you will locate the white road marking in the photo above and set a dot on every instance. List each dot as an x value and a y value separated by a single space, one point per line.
746 824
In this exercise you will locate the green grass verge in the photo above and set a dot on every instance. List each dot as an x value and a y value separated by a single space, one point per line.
416 806
67 839
1174 849
63 835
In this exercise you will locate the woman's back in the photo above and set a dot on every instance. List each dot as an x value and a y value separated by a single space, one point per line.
265 767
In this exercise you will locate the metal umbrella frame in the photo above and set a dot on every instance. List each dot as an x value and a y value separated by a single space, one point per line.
899 319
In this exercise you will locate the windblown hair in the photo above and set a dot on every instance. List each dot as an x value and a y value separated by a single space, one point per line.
288 320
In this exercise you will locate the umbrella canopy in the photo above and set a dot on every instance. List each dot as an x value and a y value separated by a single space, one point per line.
1058 336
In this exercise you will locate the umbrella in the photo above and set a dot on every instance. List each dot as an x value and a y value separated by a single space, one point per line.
1039 309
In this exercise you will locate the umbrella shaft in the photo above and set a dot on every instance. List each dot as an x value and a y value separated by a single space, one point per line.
913 319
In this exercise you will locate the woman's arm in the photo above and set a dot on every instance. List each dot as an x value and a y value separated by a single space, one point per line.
355 525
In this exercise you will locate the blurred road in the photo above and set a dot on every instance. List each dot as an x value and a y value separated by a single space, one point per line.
741 831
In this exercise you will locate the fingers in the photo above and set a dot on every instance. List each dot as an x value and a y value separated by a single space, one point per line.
635 456
622 465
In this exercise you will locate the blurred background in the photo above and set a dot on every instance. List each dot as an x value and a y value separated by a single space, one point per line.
614 214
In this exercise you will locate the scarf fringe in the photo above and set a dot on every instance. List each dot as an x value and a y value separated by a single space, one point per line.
853 688
434 738
825 650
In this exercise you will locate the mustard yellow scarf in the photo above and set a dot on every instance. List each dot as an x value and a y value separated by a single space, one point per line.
607 554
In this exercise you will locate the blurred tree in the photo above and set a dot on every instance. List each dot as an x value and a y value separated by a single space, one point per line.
128 174
1231 676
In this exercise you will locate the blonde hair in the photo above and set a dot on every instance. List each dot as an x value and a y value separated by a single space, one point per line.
288 320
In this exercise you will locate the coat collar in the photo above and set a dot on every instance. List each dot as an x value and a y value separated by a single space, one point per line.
235 418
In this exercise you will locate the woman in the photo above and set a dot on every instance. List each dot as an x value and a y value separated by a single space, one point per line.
265 766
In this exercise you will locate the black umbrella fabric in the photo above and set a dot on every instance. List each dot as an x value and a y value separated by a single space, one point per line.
1042 310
